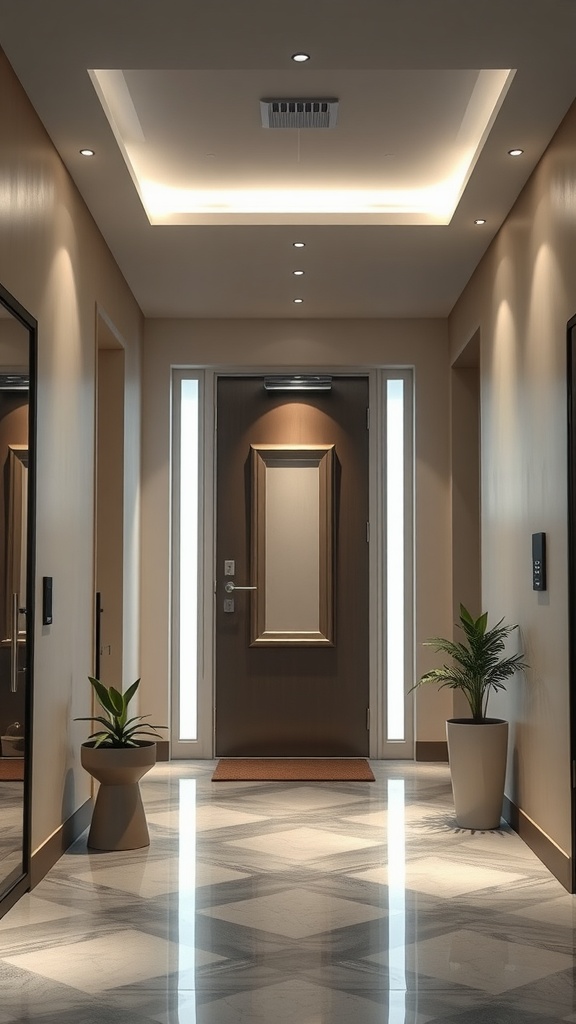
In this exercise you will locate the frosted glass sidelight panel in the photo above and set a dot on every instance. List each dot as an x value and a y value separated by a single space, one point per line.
292 545
395 559
292 576
188 646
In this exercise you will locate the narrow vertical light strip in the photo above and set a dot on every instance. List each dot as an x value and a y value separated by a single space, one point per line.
396 903
187 901
395 685
188 631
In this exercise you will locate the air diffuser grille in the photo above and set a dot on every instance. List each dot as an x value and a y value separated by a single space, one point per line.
297 382
299 113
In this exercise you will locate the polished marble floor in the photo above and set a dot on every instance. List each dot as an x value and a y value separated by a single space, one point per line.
295 903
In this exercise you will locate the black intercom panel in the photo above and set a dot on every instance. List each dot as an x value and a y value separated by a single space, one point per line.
46 600
538 561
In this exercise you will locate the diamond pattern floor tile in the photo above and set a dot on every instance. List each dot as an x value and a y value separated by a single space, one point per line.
296 913
303 844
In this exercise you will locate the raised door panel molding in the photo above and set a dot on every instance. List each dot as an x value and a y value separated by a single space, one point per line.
292 545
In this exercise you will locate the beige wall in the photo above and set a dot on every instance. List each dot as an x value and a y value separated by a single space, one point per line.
520 298
306 343
53 260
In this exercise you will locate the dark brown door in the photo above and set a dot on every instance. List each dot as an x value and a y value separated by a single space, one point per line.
291 698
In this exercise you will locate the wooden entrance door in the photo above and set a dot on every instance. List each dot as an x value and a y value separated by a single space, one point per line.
293 687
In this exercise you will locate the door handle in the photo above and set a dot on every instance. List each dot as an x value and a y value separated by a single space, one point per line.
231 587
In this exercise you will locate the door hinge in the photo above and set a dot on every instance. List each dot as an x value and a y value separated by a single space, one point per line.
368 418
573 774
368 719
367 533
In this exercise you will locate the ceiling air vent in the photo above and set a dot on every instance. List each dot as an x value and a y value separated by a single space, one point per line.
299 113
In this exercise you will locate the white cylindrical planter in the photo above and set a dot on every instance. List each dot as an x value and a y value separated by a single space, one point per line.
477 754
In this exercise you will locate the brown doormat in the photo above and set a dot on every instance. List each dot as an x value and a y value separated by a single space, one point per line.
293 769
11 769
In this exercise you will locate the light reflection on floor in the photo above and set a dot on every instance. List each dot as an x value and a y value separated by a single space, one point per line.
396 901
277 903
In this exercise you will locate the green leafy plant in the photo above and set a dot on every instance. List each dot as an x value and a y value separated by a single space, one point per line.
117 729
478 668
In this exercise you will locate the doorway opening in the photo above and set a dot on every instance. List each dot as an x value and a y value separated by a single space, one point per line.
201 627
109 529
466 497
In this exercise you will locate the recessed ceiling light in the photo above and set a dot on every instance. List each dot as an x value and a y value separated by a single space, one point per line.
300 58
515 152
298 245
297 273
480 220
86 152
298 300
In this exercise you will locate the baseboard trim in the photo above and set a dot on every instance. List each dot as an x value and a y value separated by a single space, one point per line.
432 750
162 750
555 859
46 856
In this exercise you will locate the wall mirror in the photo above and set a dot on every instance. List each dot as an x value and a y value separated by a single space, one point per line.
17 417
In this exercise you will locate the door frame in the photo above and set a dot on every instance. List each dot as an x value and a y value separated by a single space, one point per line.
379 746
571 517
110 465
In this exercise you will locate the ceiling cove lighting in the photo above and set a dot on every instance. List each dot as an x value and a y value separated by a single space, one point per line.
86 152
298 382
515 152
300 58
429 196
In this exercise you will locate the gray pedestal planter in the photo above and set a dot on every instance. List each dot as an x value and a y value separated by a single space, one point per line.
118 821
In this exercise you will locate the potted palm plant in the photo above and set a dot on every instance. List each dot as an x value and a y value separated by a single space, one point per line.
118 754
477 746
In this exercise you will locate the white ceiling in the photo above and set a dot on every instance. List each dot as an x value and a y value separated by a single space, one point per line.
385 202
